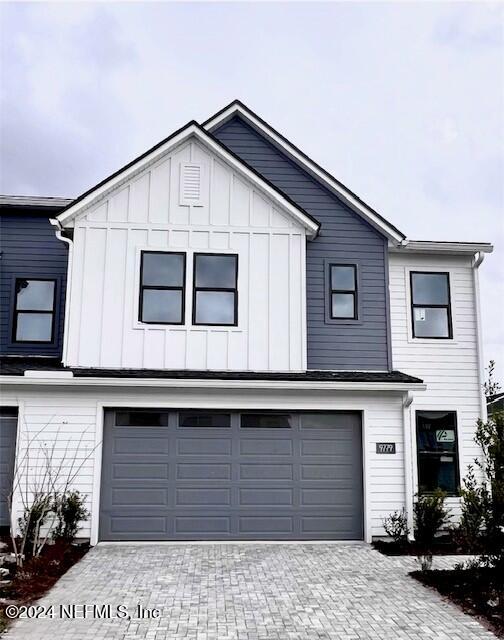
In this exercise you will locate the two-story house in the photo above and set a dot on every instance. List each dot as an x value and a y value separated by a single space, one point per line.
227 343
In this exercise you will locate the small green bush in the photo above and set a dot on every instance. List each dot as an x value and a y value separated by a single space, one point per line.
429 516
70 510
396 526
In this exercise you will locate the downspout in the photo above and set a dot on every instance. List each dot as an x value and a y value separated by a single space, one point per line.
478 259
59 234
408 462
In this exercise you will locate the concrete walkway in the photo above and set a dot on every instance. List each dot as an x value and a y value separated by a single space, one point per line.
246 592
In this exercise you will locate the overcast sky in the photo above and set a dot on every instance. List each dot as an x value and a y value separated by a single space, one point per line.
404 103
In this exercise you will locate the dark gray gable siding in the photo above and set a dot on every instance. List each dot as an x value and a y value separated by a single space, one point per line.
344 237
30 249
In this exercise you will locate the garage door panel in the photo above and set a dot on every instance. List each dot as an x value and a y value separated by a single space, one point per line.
327 471
266 525
140 471
326 497
265 446
8 430
141 445
202 524
208 471
138 525
266 497
266 472
139 497
202 496
204 446
234 482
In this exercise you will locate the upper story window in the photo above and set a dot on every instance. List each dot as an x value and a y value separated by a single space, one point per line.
437 451
215 294
430 305
343 291
162 287
34 310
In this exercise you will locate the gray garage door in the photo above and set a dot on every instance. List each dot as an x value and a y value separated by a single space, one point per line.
193 475
8 429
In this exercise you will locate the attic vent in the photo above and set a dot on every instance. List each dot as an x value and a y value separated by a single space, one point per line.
191 184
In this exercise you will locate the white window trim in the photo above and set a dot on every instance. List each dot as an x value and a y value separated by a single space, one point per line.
440 342
136 324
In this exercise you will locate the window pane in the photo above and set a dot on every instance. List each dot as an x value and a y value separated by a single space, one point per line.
197 419
436 471
436 431
343 278
162 306
163 269
266 420
35 295
34 327
141 419
319 421
430 288
431 323
217 272
215 307
343 305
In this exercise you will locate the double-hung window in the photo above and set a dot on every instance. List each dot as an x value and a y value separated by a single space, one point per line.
437 451
34 310
343 291
215 294
430 305
162 287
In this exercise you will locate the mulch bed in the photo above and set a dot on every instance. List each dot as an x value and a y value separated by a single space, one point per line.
443 546
38 575
479 592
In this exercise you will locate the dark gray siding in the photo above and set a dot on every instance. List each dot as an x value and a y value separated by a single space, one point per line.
30 249
344 236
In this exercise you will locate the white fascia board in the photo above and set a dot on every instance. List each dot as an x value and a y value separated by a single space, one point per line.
333 185
195 131
437 247
180 383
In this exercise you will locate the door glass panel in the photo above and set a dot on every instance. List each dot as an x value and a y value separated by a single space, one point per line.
204 419
266 420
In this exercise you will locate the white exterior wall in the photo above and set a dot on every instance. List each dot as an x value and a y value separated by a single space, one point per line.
74 419
450 368
145 213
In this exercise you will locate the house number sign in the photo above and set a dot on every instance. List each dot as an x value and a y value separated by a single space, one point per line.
385 447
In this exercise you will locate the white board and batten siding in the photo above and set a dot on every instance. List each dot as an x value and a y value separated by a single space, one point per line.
73 420
450 368
227 215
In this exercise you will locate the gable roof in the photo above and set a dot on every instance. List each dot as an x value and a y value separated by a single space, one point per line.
237 108
192 129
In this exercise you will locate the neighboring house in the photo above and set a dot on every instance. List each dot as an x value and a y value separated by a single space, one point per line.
241 348
495 403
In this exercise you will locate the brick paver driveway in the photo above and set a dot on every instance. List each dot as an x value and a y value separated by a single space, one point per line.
249 592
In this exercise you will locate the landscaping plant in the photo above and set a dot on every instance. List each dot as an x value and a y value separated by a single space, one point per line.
396 526
70 510
430 516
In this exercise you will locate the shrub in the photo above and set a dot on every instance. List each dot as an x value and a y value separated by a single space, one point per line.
33 519
396 526
429 516
474 506
70 511
490 437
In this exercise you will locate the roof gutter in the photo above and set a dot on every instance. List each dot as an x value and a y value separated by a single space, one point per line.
51 379
62 234
478 259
